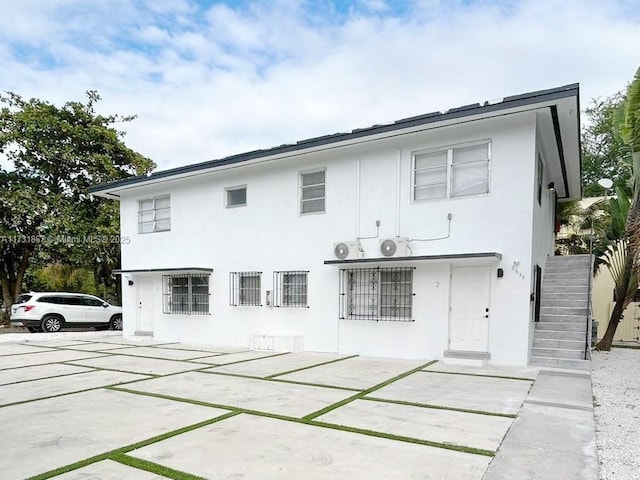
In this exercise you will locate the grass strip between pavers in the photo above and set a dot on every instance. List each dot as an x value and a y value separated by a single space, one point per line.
212 365
279 380
60 375
465 374
439 407
295 370
366 391
153 467
117 454
95 355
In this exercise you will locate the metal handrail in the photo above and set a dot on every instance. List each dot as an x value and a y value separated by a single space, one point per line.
587 347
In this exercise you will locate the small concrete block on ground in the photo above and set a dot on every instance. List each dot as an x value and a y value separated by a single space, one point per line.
486 394
143 365
227 358
529 373
359 372
48 387
483 432
160 352
252 394
280 364
38 372
108 470
251 447
63 430
19 348
43 358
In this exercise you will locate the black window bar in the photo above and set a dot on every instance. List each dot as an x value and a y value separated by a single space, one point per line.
186 294
377 294
290 289
244 289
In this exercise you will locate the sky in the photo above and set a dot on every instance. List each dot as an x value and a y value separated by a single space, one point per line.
208 79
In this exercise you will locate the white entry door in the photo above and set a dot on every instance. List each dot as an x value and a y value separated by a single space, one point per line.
146 310
470 313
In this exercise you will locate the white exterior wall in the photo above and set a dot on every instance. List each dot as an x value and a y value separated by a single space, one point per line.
269 234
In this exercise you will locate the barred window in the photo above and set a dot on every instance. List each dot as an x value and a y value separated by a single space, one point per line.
312 192
453 172
290 288
154 214
380 294
244 288
186 294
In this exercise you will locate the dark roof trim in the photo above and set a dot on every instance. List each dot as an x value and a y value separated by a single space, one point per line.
167 270
450 256
563 165
434 117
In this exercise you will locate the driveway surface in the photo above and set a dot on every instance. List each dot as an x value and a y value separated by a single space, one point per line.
101 406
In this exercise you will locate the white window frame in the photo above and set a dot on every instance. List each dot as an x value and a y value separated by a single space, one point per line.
301 188
449 194
227 191
241 294
153 214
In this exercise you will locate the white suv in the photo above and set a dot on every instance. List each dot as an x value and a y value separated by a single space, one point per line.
50 312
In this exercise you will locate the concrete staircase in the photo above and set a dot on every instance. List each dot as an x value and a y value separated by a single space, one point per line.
560 335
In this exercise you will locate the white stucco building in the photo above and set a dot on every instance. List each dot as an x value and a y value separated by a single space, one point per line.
246 250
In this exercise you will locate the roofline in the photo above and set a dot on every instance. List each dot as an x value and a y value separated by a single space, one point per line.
513 101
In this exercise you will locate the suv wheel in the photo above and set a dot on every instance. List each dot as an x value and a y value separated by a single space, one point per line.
116 322
51 323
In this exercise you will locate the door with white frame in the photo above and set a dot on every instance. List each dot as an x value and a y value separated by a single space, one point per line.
145 304
469 309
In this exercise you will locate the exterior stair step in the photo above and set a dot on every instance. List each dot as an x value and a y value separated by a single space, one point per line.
558 353
559 335
561 363
577 345
561 326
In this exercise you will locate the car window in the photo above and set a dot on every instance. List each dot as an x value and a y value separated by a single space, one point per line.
23 298
71 301
48 300
92 302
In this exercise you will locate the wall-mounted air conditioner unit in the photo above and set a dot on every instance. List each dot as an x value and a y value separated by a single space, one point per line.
395 247
347 250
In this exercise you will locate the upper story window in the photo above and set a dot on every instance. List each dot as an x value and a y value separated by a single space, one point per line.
453 172
236 196
312 192
244 288
540 175
290 288
154 214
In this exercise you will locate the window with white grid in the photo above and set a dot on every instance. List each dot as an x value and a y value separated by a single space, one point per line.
185 294
290 288
154 214
244 288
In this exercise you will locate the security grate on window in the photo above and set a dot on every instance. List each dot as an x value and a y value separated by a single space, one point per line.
244 288
185 294
379 294
290 289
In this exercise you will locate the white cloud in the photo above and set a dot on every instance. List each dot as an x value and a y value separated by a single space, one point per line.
207 82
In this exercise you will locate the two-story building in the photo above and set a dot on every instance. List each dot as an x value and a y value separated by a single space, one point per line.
421 238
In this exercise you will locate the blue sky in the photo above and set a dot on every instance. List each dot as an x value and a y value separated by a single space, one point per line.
209 79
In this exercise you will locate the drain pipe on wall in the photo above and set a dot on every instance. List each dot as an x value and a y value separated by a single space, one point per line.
398 192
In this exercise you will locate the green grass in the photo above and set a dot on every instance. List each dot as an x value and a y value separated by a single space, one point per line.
523 379
439 407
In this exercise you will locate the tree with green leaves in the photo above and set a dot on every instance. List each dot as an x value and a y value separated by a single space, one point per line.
52 155
622 256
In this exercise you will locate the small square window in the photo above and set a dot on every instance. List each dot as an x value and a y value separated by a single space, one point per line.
244 288
236 196
291 289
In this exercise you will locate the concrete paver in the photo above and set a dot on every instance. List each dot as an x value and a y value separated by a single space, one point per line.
144 365
279 364
443 426
493 370
205 348
59 431
251 447
253 394
96 346
108 470
358 372
42 358
558 388
20 392
159 352
227 358
18 348
15 375
496 395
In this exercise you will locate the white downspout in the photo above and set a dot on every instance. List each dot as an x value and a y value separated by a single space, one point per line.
398 192
357 198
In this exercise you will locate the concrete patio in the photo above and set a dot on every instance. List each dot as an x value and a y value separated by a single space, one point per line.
108 407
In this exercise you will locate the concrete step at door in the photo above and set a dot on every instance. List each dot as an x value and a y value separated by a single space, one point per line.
557 353
560 363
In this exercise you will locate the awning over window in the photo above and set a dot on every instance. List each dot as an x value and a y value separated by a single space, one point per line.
164 270
488 257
